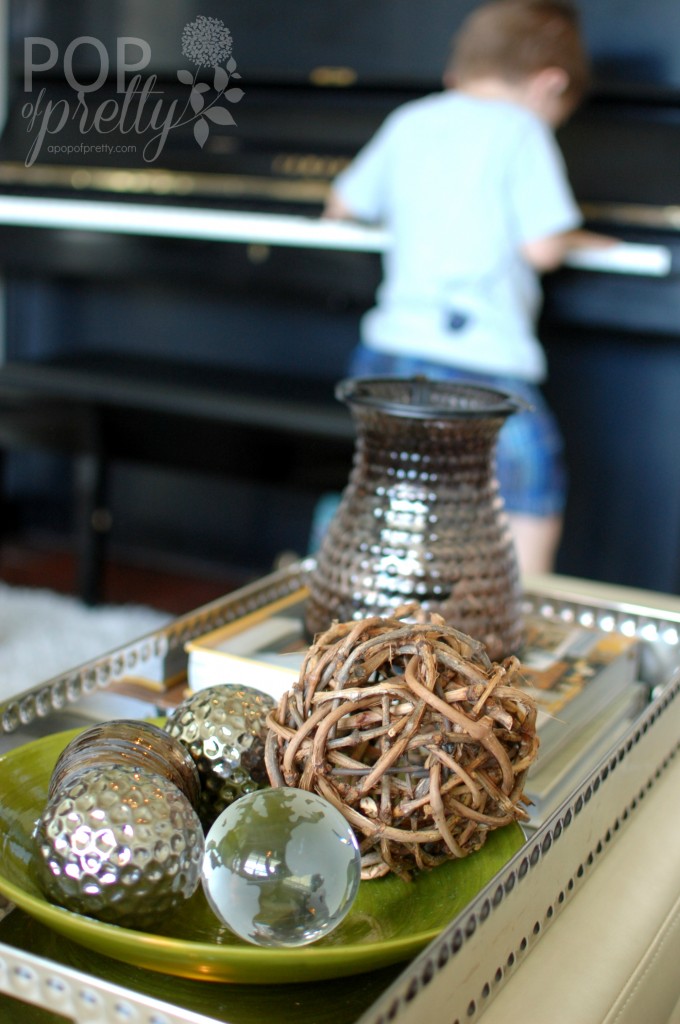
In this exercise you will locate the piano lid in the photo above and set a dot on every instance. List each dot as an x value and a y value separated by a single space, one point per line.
294 42
383 43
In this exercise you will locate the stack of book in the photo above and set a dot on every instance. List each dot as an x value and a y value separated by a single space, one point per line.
262 650
586 683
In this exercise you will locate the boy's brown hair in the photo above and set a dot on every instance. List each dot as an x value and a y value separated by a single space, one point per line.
514 39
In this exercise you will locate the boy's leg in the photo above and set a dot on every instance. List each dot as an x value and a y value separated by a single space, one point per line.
536 541
532 480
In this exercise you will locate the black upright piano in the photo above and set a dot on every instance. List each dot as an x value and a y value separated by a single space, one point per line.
169 289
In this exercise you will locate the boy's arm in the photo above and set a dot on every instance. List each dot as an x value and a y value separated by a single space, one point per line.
358 192
545 254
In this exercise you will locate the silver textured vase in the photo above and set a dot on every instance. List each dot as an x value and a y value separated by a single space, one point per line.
421 519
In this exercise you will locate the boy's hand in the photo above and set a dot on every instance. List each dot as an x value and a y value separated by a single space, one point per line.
335 208
545 254
582 239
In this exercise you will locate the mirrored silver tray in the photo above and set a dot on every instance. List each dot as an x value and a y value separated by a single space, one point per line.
458 974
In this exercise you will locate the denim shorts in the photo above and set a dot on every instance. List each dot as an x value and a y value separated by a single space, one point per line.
530 453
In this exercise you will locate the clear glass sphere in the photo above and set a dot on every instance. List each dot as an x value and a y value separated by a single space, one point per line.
281 867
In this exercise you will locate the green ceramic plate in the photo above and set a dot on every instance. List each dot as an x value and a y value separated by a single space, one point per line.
390 920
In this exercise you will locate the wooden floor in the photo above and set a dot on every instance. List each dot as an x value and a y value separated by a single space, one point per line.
48 563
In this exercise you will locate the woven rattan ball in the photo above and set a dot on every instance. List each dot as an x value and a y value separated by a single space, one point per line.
413 733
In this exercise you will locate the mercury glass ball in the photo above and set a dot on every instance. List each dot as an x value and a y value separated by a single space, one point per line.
281 867
128 741
224 729
120 844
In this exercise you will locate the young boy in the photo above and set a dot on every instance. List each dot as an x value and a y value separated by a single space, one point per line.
473 188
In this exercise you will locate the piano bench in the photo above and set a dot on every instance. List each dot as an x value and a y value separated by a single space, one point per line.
105 409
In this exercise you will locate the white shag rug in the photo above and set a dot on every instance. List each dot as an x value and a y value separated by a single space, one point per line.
43 634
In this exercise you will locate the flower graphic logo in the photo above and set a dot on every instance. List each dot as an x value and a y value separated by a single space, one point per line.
207 43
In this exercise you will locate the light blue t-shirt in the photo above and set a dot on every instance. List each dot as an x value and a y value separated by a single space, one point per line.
461 183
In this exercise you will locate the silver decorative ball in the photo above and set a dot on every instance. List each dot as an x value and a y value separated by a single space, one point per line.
128 741
120 844
224 729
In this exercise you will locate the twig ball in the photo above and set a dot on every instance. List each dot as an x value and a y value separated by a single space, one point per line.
412 733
